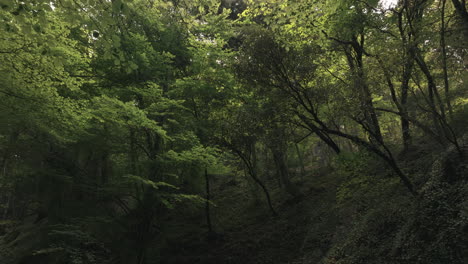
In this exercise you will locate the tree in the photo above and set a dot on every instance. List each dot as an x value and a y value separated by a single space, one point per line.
311 104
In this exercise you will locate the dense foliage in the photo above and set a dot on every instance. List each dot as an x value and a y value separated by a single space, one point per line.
130 128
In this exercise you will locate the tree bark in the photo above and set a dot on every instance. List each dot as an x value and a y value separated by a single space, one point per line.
460 7
264 188
247 160
355 62
207 202
317 131
431 89
301 160
133 153
385 154
444 59
283 172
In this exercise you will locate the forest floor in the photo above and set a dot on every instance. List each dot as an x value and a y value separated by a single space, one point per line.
245 231
353 215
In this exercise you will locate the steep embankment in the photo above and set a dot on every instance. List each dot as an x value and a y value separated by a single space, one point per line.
396 228
355 213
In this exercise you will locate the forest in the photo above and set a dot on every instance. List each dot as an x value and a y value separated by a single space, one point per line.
233 131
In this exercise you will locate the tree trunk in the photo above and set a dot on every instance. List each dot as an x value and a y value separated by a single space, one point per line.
355 62
386 155
207 202
253 174
267 163
460 7
431 89
301 160
133 153
317 131
444 60
283 172
7 206
405 130
105 168
404 88
247 160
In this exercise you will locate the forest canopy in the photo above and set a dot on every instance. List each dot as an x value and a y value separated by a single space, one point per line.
172 131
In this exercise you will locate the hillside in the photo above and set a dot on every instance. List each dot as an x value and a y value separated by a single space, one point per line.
233 131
